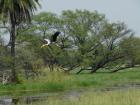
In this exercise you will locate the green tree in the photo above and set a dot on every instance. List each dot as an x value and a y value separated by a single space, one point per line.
44 22
95 39
111 34
87 39
16 12
131 50
82 29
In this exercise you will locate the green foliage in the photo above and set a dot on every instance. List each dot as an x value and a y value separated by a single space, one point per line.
131 49
14 13
87 40
21 11
5 58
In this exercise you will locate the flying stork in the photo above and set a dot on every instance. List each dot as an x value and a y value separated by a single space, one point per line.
51 40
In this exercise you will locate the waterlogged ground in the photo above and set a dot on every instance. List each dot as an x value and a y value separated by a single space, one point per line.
121 88
71 97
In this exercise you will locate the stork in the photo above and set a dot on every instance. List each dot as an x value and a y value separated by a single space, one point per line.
51 40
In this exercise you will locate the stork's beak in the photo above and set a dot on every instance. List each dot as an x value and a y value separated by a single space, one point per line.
44 45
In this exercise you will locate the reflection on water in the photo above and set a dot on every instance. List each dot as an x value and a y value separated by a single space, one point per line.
7 100
15 101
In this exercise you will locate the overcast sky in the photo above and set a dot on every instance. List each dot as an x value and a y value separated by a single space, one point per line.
127 11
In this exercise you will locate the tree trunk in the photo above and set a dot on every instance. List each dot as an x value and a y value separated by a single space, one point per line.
99 65
14 78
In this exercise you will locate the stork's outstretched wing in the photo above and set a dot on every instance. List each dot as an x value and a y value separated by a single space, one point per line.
54 36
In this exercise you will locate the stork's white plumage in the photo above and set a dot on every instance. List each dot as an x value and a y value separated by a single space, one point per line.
48 41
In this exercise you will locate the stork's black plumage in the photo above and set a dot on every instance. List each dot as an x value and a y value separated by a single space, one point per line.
54 36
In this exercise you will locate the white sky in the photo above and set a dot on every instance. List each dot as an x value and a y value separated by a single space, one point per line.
127 11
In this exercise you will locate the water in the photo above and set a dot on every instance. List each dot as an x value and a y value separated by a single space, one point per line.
33 98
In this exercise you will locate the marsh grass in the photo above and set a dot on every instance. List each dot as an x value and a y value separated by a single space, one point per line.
59 81
119 97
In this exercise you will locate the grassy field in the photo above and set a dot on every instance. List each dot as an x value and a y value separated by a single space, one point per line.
129 97
57 81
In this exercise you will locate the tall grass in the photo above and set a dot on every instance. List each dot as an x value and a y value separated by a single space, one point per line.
129 97
58 81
